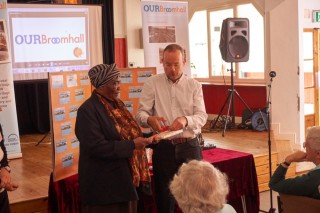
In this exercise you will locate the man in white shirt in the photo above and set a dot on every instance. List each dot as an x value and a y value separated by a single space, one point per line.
172 100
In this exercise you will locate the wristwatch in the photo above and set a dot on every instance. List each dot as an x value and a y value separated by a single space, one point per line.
286 163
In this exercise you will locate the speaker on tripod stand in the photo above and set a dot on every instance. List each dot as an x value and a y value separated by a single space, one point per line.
234 40
234 47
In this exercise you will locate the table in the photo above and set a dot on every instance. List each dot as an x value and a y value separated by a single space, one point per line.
64 195
239 167
241 171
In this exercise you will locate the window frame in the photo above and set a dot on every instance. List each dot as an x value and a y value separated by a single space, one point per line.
226 79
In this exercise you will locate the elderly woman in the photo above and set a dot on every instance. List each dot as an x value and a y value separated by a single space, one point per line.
199 187
112 162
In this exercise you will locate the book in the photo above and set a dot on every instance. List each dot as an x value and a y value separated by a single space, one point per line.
166 134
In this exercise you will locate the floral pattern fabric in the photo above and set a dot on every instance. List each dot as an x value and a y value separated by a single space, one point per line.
128 129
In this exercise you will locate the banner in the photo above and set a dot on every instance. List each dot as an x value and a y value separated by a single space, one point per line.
163 23
8 115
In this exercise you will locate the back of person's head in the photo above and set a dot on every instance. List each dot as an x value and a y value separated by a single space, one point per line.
313 137
199 187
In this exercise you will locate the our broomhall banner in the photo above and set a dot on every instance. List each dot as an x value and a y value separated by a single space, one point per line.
163 23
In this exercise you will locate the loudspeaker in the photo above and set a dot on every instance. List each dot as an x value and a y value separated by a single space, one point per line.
234 40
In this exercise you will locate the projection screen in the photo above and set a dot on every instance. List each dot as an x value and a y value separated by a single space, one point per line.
49 38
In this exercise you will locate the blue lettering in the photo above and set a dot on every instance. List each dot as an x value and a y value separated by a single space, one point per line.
18 39
37 39
55 40
146 8
151 8
26 40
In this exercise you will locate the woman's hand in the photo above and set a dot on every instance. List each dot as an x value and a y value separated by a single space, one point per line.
141 142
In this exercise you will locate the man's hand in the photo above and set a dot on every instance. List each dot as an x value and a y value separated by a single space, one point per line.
179 123
157 123
298 156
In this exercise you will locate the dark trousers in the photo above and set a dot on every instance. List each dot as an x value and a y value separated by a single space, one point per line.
4 202
166 160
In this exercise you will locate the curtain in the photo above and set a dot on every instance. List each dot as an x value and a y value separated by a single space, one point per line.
107 29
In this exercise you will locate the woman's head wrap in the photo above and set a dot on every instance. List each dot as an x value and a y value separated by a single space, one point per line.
102 73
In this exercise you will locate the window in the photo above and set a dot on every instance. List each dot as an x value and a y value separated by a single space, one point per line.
199 48
309 85
205 57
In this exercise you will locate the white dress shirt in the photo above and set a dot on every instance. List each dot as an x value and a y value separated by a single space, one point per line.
161 97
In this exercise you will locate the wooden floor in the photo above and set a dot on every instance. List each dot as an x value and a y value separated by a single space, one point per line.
249 141
32 171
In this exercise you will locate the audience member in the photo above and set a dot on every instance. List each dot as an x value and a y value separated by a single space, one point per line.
199 187
306 184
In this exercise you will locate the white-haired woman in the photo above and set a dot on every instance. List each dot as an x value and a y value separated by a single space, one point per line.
199 187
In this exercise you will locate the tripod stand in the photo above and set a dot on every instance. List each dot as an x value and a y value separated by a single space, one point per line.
230 98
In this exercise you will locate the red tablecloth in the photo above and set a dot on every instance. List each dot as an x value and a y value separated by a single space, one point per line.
241 171
64 195
239 166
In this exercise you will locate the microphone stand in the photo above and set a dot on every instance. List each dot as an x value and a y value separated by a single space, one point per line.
271 210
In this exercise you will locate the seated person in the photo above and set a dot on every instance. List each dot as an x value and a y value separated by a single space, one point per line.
306 184
199 187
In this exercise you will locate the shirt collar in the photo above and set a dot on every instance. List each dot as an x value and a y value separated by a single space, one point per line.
179 79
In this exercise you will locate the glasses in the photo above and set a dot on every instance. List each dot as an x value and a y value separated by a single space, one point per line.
304 145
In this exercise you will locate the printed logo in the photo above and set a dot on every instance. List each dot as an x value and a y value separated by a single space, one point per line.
43 39
13 139
162 9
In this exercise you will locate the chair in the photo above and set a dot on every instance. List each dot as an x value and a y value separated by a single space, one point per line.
297 204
